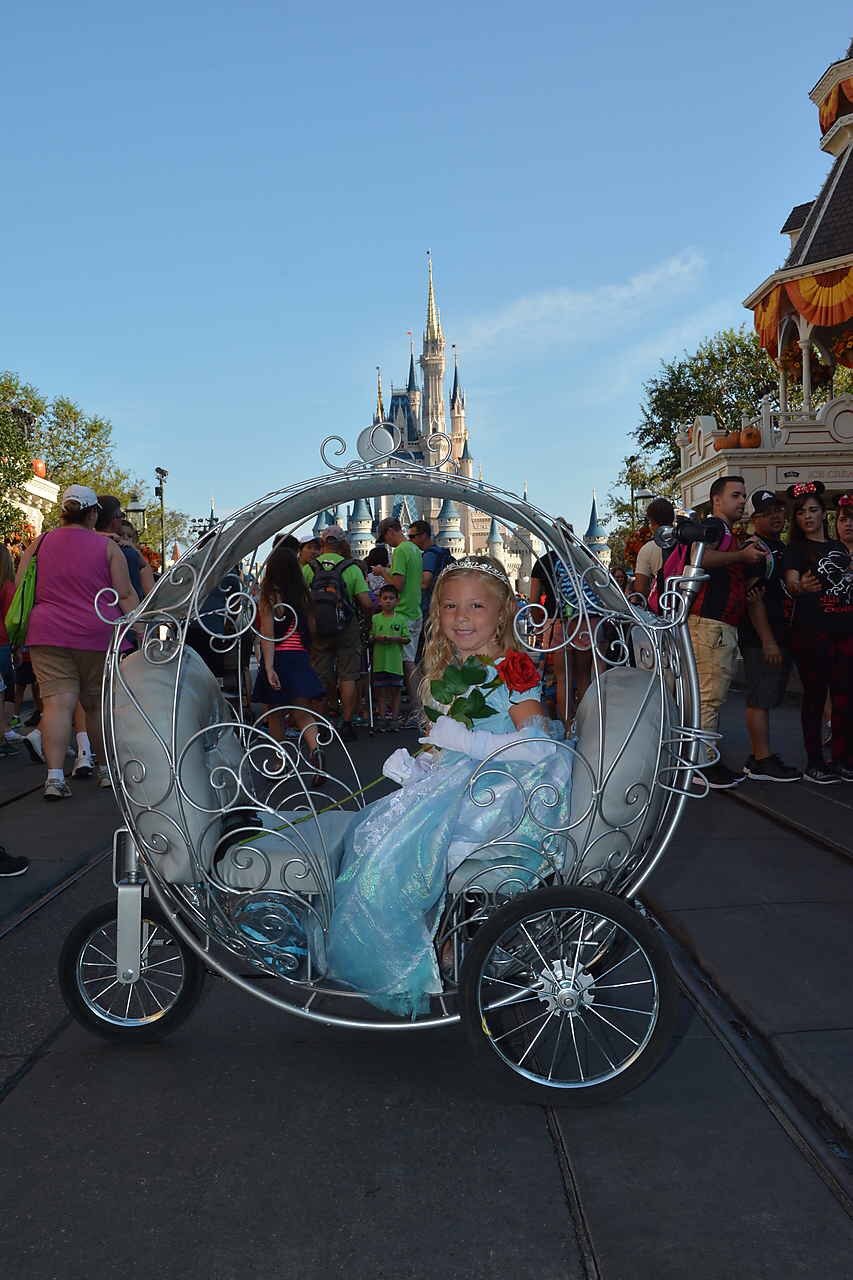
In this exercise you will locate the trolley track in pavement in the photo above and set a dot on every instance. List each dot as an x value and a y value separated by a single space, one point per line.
789 824
822 1143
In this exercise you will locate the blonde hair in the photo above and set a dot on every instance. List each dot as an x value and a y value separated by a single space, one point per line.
438 651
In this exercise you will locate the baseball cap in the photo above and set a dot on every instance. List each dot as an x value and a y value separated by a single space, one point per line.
309 537
80 496
334 531
763 500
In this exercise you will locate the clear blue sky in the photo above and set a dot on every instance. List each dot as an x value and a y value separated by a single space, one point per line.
216 216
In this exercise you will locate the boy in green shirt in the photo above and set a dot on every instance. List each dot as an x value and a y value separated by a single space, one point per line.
389 632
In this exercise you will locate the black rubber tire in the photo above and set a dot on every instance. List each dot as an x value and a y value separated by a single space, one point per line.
613 908
142 1032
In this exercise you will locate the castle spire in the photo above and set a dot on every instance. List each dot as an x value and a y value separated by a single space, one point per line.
432 364
379 415
412 384
433 321
457 395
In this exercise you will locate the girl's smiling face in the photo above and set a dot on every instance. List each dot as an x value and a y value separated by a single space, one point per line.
469 612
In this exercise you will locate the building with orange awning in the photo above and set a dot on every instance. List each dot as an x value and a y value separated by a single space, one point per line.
803 316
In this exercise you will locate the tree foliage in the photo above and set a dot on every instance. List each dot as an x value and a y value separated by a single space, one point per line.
639 474
78 448
727 375
21 407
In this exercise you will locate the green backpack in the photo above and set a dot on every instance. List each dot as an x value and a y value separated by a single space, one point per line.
18 614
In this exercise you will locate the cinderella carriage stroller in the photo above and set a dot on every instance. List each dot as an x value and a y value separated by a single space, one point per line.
228 853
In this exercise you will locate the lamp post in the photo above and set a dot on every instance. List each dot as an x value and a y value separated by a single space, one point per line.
642 495
136 508
159 488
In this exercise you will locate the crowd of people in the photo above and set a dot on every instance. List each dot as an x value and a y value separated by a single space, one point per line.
781 603
344 637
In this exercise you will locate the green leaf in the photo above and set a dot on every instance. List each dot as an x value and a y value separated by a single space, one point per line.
474 671
431 713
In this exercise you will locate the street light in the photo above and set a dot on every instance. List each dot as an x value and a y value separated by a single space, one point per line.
136 508
642 495
161 475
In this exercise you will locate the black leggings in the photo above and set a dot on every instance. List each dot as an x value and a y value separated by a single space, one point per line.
825 664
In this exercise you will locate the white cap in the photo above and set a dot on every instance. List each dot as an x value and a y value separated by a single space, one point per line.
309 537
79 496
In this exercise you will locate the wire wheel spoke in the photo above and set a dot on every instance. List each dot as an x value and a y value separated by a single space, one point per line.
130 1004
578 1037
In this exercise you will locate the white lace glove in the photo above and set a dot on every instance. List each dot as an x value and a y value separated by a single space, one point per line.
403 768
478 744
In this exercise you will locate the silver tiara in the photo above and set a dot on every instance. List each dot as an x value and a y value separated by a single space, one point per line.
468 562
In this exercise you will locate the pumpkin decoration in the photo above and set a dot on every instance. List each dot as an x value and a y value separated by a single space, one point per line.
750 437
728 440
39 468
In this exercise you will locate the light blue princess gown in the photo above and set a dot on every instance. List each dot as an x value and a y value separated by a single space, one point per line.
391 888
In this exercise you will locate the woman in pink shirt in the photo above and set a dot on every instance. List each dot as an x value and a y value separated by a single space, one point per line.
66 638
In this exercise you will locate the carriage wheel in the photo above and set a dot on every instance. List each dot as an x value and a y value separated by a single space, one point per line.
165 993
572 992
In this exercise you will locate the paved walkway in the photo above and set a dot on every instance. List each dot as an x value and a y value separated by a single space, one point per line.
769 915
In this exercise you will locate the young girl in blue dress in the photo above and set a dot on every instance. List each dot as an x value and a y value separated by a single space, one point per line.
391 889
285 677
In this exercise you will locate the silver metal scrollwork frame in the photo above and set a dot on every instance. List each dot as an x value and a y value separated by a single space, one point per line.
230 825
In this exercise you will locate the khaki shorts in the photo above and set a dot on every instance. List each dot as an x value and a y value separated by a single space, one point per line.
338 657
69 670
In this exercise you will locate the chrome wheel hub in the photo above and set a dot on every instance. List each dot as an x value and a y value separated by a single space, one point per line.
562 991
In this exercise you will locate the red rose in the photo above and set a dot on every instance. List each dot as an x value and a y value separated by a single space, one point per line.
518 672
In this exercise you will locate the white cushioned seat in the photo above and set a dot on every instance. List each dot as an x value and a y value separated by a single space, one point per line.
631 799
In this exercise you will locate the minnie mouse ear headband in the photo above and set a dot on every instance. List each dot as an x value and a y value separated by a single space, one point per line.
806 487
845 502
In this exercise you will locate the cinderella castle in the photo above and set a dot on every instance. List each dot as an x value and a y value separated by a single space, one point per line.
418 412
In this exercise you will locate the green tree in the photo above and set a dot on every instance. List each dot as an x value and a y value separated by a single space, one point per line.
636 473
78 448
21 408
727 375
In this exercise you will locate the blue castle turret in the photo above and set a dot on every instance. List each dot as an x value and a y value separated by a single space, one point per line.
596 535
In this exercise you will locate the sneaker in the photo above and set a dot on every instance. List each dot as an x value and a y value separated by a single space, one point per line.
720 777
823 774
348 732
84 766
771 769
413 720
16 722
10 866
844 771
54 790
32 721
104 778
33 746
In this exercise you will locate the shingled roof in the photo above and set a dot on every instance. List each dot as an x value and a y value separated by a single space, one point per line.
796 219
828 230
